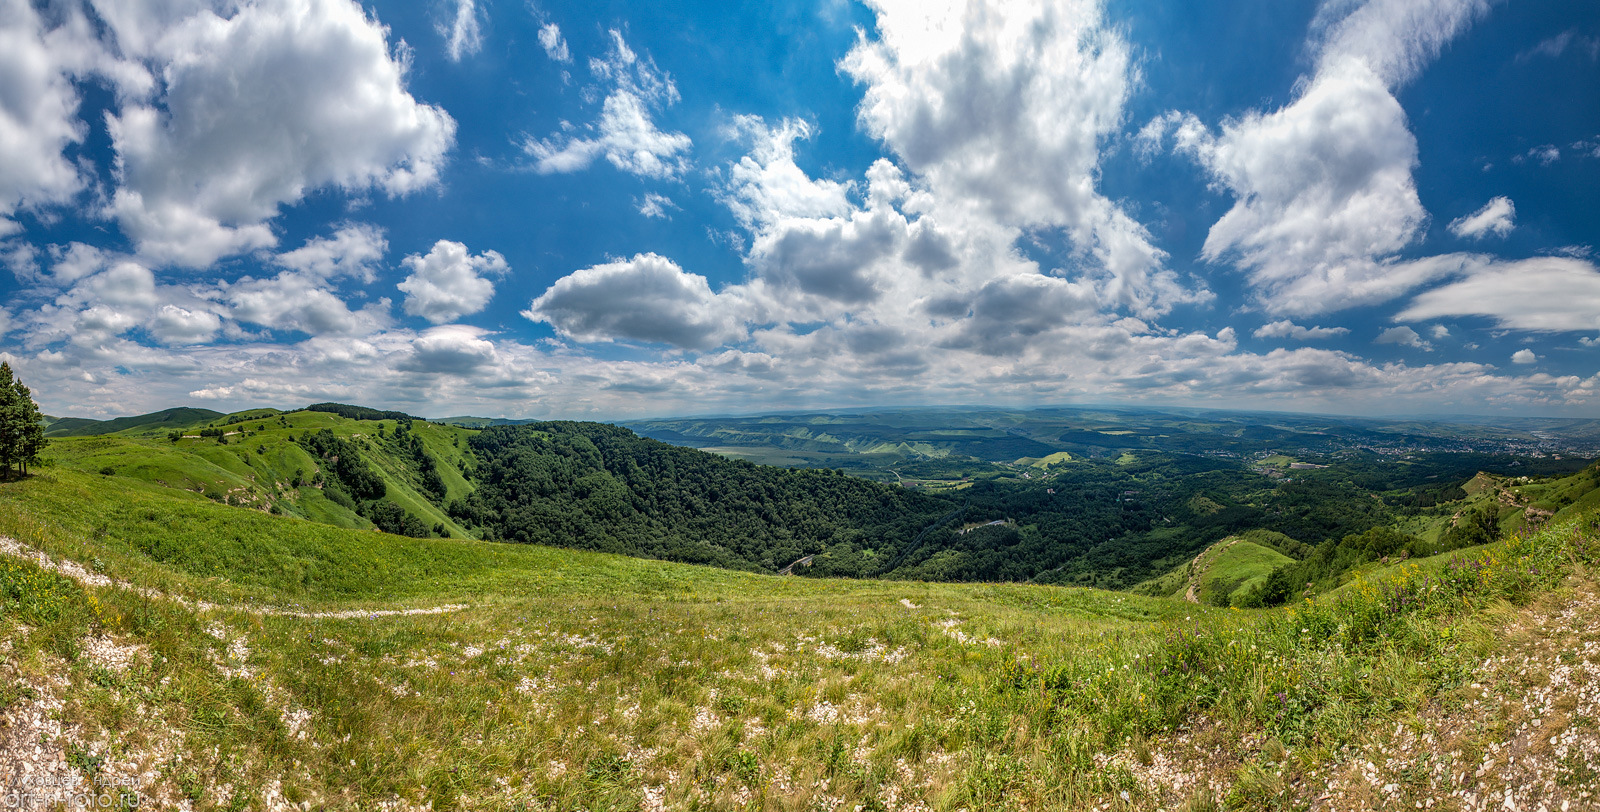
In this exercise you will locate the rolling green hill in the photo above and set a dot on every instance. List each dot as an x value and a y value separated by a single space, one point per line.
155 422
1227 572
258 459
1235 568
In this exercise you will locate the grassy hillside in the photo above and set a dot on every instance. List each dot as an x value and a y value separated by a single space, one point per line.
236 659
1235 568
1223 574
254 459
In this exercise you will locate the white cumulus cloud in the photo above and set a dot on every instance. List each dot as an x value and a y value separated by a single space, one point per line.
1005 107
1287 329
204 164
1404 336
299 302
452 349
1324 190
449 282
177 325
1524 357
646 298
1496 219
38 108
354 250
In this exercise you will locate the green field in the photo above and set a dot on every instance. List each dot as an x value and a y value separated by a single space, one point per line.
561 679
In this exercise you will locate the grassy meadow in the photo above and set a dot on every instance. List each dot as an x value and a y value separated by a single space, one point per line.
212 656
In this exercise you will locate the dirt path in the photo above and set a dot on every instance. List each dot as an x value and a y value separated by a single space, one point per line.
1197 572
76 572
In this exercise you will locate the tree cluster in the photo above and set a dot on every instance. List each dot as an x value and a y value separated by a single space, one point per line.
21 424
357 412
351 482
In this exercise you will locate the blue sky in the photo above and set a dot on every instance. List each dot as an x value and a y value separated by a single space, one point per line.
616 210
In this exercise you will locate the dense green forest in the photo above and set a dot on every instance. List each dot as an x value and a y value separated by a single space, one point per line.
601 487
1109 523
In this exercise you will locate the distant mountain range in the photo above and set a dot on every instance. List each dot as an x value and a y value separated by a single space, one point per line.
174 418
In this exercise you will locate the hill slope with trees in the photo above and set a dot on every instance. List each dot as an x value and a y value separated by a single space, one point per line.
602 487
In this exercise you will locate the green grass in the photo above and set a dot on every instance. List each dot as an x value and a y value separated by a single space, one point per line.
582 680
1225 571
1236 568
260 464
1170 584
1046 461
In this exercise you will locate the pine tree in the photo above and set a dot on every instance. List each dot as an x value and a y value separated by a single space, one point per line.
21 429
10 428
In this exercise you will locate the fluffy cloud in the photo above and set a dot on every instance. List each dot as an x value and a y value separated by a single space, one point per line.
1404 336
74 261
1548 294
452 349
117 295
1288 329
646 298
1004 107
555 46
1325 194
766 185
831 258
304 298
208 161
932 276
38 108
1395 38
124 284
1497 218
298 302
449 282
625 135
1010 312
1524 357
354 250
176 325
463 36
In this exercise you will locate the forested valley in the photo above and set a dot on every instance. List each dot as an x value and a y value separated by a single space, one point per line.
1093 522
